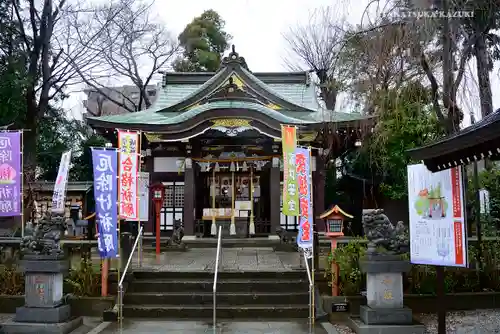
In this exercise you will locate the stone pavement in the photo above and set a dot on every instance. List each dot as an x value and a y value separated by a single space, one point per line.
232 259
189 327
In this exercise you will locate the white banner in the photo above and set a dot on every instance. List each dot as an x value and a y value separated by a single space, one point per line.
58 199
437 217
128 143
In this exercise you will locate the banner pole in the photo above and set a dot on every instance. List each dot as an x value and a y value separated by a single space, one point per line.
139 169
118 222
313 309
22 183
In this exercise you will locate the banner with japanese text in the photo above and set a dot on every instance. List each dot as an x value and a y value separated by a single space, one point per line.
128 144
305 234
10 174
105 192
59 196
290 194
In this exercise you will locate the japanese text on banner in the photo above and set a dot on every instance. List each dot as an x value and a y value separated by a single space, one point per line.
60 187
105 193
128 167
290 193
10 174
303 168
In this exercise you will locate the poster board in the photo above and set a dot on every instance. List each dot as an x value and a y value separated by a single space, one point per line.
143 195
437 217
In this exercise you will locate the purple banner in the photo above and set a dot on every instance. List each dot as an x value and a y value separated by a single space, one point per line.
105 194
10 174
305 235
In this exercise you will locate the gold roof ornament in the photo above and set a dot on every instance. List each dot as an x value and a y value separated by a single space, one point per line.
230 123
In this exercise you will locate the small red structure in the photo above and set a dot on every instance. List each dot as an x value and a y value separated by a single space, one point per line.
334 221
158 194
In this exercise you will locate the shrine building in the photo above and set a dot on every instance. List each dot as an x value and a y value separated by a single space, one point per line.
210 138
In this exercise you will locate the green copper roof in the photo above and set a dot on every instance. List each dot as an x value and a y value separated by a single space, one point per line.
286 117
299 94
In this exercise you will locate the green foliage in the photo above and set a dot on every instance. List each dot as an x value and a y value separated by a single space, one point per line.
12 280
84 281
405 121
204 41
489 180
82 164
351 280
421 279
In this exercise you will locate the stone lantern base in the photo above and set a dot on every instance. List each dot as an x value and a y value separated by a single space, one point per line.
385 312
44 310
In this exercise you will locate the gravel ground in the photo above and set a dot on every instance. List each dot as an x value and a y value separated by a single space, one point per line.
466 322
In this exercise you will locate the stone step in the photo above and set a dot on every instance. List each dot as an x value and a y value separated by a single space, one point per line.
223 298
191 285
250 275
194 312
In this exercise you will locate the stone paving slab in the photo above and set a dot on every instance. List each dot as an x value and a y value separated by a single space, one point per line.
191 327
232 259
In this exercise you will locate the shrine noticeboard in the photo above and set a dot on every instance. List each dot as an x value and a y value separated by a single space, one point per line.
437 217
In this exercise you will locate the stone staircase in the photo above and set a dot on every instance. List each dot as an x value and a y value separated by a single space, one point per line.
183 295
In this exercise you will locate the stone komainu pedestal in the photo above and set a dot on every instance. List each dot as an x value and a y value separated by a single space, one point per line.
44 310
385 312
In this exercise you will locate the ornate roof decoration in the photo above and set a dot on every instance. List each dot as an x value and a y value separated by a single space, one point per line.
234 58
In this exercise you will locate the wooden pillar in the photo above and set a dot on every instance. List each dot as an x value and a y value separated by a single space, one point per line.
189 196
274 194
319 177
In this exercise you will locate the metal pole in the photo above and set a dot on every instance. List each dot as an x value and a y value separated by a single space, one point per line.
22 184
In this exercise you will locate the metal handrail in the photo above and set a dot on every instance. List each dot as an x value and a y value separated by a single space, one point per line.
120 284
216 271
311 291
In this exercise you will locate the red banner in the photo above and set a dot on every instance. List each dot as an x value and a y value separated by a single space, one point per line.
456 193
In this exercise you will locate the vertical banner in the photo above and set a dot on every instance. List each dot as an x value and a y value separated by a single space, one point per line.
437 217
128 169
290 194
59 196
105 192
10 174
305 235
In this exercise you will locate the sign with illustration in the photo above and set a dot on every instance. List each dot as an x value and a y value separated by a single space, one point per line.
437 217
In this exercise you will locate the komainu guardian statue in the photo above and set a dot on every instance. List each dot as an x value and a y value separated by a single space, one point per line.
382 235
46 236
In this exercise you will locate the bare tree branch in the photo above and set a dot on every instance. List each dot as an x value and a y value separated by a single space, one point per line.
128 46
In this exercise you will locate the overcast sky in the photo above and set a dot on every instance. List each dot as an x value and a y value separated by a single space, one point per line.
257 27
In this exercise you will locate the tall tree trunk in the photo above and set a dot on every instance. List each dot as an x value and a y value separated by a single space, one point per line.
483 75
30 140
448 79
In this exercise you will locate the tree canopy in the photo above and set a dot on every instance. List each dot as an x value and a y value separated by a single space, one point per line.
203 41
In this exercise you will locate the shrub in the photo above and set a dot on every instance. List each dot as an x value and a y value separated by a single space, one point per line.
84 281
12 281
